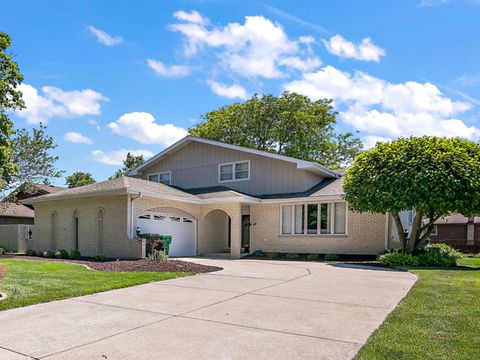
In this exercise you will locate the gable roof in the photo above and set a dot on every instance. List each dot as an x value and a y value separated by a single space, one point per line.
301 164
11 209
121 185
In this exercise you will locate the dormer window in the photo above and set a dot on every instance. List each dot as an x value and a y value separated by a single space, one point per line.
162 177
234 171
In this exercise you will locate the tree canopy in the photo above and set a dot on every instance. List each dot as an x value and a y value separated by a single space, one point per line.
291 125
130 163
31 154
79 178
10 99
433 176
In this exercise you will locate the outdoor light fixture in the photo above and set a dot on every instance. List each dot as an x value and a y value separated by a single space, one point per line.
137 231
30 232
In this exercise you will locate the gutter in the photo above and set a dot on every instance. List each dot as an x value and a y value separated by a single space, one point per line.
139 195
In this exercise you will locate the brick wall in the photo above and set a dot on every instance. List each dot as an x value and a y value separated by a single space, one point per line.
365 234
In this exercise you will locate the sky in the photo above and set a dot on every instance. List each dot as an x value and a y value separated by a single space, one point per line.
108 77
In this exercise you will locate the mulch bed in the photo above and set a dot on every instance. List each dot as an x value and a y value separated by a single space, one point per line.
134 265
2 270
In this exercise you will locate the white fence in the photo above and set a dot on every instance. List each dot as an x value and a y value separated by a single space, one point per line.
14 237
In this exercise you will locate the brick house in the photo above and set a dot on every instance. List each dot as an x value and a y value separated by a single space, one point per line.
212 197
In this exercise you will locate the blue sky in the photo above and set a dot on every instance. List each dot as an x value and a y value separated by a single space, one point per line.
109 77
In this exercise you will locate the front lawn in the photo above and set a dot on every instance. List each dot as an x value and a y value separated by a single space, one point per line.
439 318
28 282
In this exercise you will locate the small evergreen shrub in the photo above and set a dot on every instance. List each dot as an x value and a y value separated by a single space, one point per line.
61 254
313 257
75 254
293 256
397 258
100 257
272 255
259 253
31 252
48 254
331 257
3 251
439 255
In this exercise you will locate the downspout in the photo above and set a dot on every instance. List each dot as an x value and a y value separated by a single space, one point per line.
137 196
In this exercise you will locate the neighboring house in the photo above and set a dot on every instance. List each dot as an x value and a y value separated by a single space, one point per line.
458 231
212 197
13 212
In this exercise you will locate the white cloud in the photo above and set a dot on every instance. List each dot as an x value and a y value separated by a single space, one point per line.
193 17
116 157
76 137
105 38
381 108
141 126
168 71
366 50
57 103
370 141
256 48
94 123
228 91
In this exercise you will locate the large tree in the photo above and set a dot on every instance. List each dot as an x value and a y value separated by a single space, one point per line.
31 152
131 162
433 176
290 124
79 178
10 99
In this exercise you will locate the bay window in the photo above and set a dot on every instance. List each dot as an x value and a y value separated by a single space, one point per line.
328 218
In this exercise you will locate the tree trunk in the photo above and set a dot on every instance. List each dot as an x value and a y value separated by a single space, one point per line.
401 234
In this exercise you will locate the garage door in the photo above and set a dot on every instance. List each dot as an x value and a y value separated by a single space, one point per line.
181 228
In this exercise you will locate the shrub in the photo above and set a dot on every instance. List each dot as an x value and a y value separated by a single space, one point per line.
157 256
31 252
75 254
48 254
3 251
100 257
397 258
331 257
272 255
313 257
61 254
259 253
440 255
293 256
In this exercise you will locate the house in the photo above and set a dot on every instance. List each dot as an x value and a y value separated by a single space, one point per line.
13 212
211 197
458 231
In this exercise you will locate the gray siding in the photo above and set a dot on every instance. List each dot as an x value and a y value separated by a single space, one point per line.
196 165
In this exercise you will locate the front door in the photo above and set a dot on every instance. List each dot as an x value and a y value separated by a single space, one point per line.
246 232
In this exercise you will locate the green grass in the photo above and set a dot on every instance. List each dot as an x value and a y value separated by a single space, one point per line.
473 262
30 282
439 318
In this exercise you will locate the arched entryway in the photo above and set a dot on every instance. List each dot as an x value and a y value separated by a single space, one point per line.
215 232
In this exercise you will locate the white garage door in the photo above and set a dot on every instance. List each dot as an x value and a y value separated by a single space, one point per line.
181 228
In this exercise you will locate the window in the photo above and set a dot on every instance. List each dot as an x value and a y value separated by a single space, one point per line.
163 177
314 219
434 231
158 217
185 220
174 219
286 219
340 217
234 171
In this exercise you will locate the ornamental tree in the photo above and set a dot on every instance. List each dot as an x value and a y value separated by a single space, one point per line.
79 178
431 175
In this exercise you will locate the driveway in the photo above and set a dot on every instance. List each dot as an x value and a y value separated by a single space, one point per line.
250 310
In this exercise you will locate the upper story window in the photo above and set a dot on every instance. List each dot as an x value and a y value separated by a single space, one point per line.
162 177
314 219
234 171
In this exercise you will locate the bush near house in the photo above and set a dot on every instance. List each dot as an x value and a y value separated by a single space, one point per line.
75 254
48 254
61 254
100 257
434 255
31 252
272 255
313 257
292 256
331 257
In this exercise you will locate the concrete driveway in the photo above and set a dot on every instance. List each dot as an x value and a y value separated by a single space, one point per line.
250 310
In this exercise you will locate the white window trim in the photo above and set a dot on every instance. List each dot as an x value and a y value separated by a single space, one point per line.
318 234
161 173
233 171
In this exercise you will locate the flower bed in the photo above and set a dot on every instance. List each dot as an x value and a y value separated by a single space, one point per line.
135 265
